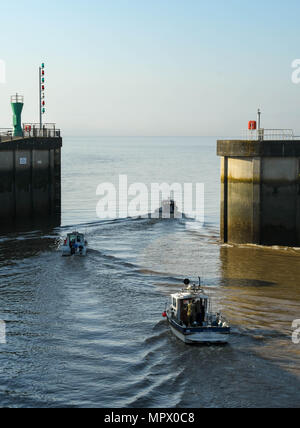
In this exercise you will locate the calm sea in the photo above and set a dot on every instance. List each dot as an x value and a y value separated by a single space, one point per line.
89 331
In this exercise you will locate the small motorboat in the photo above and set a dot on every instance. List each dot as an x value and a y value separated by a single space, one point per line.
74 245
168 210
191 319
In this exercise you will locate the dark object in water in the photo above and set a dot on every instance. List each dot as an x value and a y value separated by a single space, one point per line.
168 210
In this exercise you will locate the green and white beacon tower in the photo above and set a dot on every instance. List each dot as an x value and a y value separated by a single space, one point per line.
17 103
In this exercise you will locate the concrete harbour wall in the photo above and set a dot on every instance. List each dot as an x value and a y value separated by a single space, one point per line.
30 180
260 200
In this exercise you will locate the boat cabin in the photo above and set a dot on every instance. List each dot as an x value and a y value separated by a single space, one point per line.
75 238
190 307
75 241
169 206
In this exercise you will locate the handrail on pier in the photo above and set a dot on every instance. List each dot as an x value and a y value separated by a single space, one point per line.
31 130
269 134
48 130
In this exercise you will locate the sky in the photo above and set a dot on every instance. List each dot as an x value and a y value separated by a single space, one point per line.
152 67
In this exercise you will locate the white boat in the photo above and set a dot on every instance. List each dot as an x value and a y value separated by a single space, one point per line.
74 245
191 319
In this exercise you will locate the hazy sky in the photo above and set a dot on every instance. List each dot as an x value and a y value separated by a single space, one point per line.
153 67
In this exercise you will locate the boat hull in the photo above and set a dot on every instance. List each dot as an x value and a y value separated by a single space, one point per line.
66 252
201 336
168 215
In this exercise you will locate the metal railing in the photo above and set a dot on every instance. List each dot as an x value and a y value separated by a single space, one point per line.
17 99
6 132
269 134
48 130
30 130
37 125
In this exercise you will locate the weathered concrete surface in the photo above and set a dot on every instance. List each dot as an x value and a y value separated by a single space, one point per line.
239 179
260 200
7 199
247 148
30 180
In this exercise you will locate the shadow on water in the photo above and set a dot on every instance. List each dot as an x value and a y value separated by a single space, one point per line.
21 243
260 295
28 225
244 282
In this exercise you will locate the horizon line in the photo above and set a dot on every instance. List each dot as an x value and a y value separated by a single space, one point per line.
143 136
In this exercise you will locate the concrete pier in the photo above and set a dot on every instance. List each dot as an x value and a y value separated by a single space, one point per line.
30 179
260 196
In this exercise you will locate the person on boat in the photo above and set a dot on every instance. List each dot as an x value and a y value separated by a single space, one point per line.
200 314
183 317
190 311
72 246
172 207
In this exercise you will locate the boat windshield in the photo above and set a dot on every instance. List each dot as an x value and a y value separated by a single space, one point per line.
75 238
